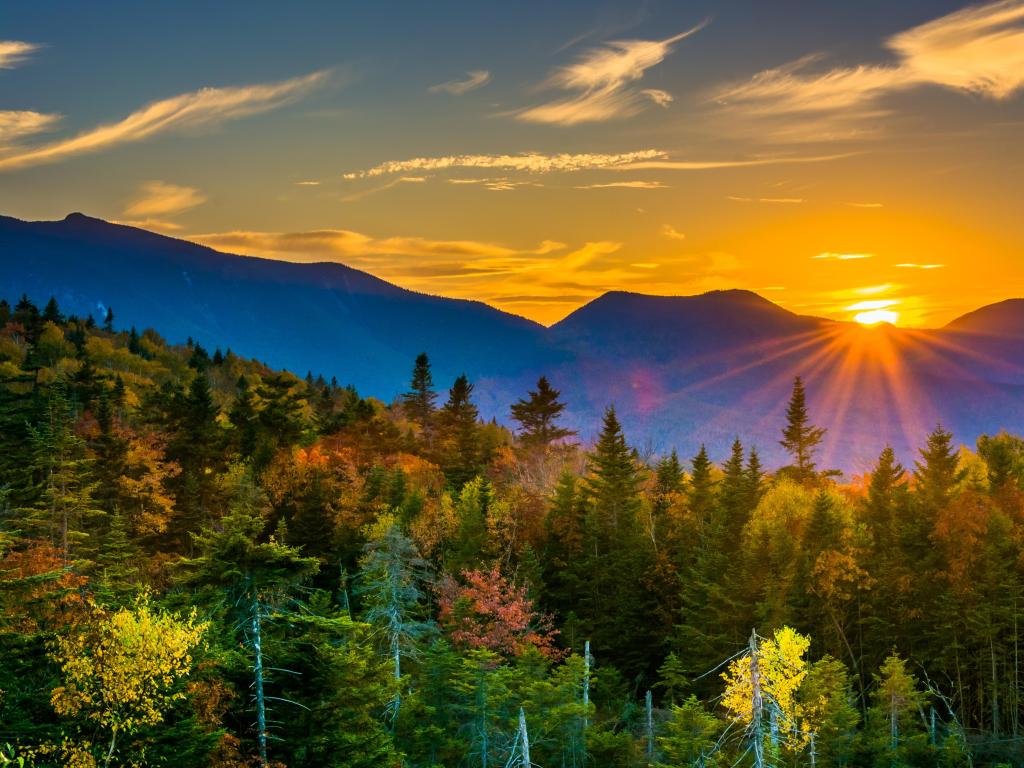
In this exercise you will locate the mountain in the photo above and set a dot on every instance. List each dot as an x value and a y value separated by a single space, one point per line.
681 370
1005 319
323 317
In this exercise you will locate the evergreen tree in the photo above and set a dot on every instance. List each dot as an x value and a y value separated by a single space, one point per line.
392 583
51 312
537 416
250 572
800 437
936 472
462 450
108 321
419 400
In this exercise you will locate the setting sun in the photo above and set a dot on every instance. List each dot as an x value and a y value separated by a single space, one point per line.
876 316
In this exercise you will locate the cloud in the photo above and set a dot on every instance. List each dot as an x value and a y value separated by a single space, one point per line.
672 233
15 52
476 78
158 198
842 256
601 81
979 49
530 162
774 200
872 304
919 266
348 244
381 188
198 109
864 205
307 183
15 124
710 165
626 185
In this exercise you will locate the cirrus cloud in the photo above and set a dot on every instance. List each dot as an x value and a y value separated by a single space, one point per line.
476 78
602 82
198 109
15 52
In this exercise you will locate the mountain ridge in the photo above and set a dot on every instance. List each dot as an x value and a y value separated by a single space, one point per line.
681 370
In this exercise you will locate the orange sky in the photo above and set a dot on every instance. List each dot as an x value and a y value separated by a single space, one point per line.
824 156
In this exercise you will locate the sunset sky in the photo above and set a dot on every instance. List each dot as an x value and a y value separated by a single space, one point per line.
835 157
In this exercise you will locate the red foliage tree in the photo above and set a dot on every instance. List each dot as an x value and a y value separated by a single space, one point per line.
490 611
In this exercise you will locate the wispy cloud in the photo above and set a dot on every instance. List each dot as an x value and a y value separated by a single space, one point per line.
16 124
672 233
307 183
626 185
842 256
476 78
15 52
348 244
919 266
203 108
531 162
772 200
864 205
156 204
711 165
602 82
159 198
978 49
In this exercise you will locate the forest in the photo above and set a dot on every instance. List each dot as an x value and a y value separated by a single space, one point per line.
207 562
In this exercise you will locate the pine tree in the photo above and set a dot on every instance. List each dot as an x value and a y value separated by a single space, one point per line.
393 579
936 472
252 572
800 437
108 321
418 402
462 458
51 313
537 416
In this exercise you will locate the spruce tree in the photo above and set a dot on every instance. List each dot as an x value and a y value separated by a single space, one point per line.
418 402
51 312
936 472
537 416
800 437
461 458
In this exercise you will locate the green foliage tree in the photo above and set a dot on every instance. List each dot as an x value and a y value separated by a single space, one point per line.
538 417
800 437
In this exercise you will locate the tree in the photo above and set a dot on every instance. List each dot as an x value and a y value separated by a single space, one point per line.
489 611
800 437
896 703
690 737
66 510
251 571
392 584
108 321
52 313
458 420
418 402
936 472
537 416
121 671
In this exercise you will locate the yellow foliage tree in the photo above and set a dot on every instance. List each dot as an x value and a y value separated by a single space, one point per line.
782 668
120 670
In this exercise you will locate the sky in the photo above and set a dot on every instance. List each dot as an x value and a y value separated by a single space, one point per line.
838 158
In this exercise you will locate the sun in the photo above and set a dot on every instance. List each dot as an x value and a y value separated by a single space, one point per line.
876 316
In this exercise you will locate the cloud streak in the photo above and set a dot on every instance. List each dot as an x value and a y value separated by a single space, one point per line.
16 124
979 49
15 52
530 162
199 109
159 198
602 82
476 78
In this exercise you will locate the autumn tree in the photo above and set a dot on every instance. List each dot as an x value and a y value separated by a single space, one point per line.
488 610
121 672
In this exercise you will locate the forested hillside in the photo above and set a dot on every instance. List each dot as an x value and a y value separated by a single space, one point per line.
207 562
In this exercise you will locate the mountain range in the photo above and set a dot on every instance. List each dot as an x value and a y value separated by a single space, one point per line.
681 370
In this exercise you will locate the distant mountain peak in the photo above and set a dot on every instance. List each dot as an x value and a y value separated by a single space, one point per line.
1004 318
